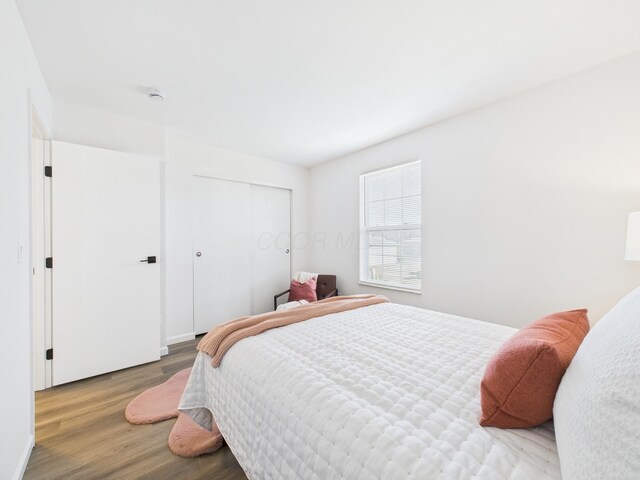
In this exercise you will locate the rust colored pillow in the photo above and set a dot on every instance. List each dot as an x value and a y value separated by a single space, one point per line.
521 380
303 291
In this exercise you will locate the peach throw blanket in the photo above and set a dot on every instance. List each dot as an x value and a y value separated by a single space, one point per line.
221 338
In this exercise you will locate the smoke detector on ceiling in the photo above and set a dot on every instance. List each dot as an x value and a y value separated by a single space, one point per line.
156 95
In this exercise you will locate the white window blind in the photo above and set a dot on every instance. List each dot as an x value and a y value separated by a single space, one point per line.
390 220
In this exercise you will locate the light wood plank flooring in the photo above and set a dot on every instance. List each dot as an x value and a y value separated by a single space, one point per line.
81 433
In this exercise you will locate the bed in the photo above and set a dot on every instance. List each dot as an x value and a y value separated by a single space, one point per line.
381 392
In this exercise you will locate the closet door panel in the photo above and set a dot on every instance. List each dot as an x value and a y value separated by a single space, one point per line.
271 245
221 253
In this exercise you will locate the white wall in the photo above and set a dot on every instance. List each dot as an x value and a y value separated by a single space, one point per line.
525 201
20 84
96 128
184 159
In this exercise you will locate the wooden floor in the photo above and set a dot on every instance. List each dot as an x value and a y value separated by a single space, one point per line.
81 432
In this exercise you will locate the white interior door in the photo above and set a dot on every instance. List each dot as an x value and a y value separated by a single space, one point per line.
106 302
271 238
221 261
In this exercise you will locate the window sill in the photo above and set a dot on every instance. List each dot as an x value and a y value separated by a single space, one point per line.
390 287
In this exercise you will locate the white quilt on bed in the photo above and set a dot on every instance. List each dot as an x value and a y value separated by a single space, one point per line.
381 392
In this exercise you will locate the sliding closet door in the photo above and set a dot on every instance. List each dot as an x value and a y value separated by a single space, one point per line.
271 234
241 254
106 294
221 255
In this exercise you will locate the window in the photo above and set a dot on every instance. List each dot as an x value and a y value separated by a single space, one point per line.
390 220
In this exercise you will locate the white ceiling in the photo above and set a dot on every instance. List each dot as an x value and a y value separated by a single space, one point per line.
304 81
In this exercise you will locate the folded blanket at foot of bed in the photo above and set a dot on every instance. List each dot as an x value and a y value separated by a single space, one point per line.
221 338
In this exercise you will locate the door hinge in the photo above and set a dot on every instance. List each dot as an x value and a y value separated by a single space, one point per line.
49 354
48 171
48 262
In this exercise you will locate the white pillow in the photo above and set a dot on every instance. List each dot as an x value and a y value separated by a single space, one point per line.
597 407
290 305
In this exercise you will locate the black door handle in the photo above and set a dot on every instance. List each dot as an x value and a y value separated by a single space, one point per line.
149 260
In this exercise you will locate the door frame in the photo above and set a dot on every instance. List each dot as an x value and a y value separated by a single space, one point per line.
40 248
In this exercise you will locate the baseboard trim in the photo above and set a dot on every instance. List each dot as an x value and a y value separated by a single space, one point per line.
164 351
181 338
24 458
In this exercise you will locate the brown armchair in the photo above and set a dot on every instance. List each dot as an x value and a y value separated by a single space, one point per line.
325 288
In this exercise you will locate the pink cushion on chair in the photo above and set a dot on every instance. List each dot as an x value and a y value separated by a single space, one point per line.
303 291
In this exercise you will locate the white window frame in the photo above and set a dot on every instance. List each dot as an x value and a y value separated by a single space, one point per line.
364 233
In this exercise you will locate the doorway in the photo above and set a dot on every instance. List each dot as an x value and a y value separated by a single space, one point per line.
94 256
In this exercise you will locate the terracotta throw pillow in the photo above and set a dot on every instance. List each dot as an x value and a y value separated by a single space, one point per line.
303 291
521 380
